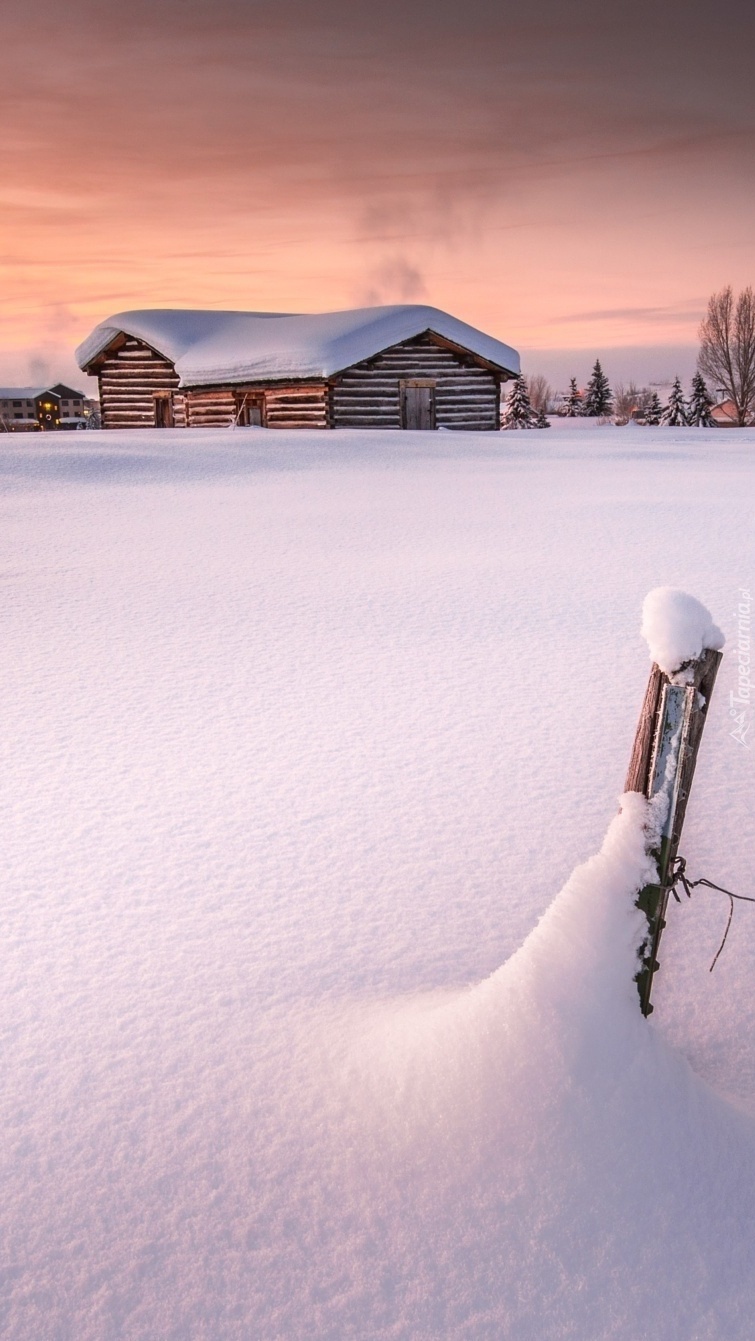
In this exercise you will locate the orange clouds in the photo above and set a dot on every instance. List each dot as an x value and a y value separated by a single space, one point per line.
518 172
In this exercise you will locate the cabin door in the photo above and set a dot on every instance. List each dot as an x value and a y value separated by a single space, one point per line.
164 411
249 411
418 404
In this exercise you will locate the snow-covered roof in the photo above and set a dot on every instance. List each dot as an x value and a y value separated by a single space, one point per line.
209 347
30 392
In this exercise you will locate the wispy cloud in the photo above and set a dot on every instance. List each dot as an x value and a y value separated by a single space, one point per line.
690 312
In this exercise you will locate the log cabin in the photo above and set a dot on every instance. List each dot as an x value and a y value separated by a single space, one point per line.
409 367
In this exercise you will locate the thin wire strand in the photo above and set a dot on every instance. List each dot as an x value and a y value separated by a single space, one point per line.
679 877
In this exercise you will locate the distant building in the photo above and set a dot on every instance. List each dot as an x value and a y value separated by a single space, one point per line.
25 408
724 414
382 367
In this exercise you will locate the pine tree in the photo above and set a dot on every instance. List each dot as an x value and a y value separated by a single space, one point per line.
700 404
541 418
675 413
653 411
598 398
573 402
518 412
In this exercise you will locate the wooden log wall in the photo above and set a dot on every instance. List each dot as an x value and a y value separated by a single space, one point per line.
128 378
210 407
368 395
284 407
467 396
297 406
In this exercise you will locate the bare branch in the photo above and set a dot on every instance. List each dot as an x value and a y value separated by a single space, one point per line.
540 392
727 348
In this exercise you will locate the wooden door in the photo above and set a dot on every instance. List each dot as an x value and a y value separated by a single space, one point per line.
418 404
164 411
250 411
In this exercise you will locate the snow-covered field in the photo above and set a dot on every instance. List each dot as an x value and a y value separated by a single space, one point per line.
303 734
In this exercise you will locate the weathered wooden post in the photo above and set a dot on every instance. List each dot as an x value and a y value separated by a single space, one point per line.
662 765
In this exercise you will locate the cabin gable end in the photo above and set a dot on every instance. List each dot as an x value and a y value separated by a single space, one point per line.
138 385
424 382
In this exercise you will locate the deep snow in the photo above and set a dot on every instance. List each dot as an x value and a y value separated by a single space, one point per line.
303 735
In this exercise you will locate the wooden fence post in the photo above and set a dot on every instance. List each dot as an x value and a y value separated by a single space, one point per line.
663 762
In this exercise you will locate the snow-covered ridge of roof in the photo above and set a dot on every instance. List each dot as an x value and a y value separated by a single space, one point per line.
210 347
31 392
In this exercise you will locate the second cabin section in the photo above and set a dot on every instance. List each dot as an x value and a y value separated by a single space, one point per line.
406 367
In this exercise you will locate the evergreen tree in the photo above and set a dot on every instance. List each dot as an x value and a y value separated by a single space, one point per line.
573 402
675 413
541 418
598 399
653 411
700 404
518 412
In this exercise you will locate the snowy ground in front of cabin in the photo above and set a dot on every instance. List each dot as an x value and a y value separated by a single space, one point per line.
303 735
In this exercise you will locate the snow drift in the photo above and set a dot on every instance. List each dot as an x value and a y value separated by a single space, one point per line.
515 1154
274 793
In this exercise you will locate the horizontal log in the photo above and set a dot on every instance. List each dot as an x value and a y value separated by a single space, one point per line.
299 423
354 421
129 413
305 406
296 414
139 374
369 411
388 384
410 370
387 391
127 359
283 420
107 422
146 394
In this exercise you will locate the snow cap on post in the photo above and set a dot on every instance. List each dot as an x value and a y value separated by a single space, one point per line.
677 628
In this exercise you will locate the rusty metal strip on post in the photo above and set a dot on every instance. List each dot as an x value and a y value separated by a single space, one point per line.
663 761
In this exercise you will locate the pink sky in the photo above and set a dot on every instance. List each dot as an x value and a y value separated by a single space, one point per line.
568 181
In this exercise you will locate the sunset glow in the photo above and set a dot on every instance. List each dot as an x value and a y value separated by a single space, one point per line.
567 181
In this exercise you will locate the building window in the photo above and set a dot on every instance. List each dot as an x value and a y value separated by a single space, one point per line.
17 404
18 416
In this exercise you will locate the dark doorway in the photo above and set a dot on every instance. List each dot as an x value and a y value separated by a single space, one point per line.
418 404
164 411
249 411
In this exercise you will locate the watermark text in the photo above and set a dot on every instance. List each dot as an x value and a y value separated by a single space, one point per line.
740 700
